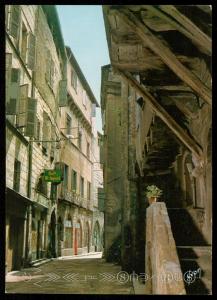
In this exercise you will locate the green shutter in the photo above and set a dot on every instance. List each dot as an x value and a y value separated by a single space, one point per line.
14 92
63 93
30 129
31 52
21 118
14 21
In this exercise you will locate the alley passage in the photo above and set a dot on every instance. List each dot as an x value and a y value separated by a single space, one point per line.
88 274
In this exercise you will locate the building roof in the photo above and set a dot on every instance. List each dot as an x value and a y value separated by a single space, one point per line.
54 24
80 75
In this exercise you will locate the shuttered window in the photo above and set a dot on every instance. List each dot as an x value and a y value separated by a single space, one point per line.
14 25
13 95
82 187
31 51
88 191
63 93
21 120
65 176
88 150
38 133
74 180
24 43
50 70
30 128
68 124
17 170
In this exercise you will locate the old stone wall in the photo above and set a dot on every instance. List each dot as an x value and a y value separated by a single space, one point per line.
162 263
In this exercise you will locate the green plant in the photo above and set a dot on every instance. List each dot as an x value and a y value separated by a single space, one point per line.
153 191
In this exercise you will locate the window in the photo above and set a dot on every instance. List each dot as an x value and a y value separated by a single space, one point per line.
14 23
88 190
74 180
46 132
42 185
24 43
17 169
74 80
68 124
82 187
65 174
50 70
88 150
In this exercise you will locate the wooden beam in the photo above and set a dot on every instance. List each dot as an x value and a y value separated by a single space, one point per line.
165 54
179 132
184 25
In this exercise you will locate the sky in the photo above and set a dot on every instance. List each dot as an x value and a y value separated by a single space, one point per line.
84 32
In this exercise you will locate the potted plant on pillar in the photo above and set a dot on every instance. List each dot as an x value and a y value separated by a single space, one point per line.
152 193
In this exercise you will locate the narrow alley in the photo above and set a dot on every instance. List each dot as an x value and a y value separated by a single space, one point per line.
84 274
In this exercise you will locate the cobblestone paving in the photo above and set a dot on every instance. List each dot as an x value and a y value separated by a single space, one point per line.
83 275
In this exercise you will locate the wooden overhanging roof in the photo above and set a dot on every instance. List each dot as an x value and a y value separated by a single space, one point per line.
170 48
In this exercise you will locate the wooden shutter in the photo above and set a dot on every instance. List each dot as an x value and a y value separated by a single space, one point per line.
8 64
14 92
49 127
14 21
21 118
30 129
31 52
63 93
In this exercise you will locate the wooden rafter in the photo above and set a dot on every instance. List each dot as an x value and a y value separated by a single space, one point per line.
184 25
180 133
165 54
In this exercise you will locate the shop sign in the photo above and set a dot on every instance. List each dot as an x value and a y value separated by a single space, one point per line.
53 176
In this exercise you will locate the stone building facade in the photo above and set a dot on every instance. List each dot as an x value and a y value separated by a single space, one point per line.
77 192
35 59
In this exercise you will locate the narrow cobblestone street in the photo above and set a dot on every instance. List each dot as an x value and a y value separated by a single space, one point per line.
86 274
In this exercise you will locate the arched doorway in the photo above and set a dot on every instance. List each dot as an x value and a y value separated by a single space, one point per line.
52 235
78 237
96 236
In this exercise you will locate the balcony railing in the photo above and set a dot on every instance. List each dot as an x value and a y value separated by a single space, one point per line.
75 198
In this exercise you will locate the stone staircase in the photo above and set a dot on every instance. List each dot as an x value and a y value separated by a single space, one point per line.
193 251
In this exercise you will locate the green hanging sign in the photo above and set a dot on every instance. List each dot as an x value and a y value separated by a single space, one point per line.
53 176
